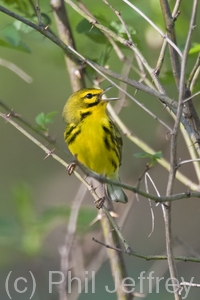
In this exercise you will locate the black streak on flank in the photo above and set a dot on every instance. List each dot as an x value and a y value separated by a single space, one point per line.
106 129
74 136
114 164
107 143
69 130
86 114
113 140
109 132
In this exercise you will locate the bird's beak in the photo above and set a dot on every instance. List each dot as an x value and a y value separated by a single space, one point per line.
107 99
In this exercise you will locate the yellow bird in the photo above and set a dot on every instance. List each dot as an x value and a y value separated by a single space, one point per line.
93 138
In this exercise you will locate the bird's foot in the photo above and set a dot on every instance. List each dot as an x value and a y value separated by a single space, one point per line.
99 203
71 167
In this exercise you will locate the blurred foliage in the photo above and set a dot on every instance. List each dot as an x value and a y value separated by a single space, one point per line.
85 28
22 6
10 37
22 228
27 230
195 48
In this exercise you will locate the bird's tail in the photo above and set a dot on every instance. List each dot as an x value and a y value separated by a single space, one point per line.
116 193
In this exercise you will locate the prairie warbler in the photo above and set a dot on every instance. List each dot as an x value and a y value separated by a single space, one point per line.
93 138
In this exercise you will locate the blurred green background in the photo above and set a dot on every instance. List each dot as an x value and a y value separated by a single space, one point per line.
34 190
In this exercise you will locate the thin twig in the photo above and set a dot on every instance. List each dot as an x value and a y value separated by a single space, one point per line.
141 144
154 26
112 238
101 179
64 29
148 257
173 154
37 9
121 40
169 23
195 79
193 72
160 60
118 14
78 57
16 70
66 249
136 190
191 97
45 135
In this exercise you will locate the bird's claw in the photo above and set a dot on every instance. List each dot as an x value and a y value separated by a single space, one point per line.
71 168
100 202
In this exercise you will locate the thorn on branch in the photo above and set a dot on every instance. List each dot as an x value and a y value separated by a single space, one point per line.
12 114
93 22
129 250
128 43
47 27
49 153
118 12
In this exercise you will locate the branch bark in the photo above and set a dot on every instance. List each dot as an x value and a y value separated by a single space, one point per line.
75 71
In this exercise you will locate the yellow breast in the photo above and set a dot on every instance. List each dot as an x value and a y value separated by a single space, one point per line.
94 147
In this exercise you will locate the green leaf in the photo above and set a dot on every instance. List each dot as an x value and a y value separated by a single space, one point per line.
49 117
45 19
153 157
84 27
22 27
120 29
42 120
22 6
10 33
11 39
195 49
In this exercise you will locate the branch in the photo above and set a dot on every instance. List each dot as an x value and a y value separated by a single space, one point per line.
155 27
173 155
74 55
67 247
16 70
77 57
175 14
192 75
136 190
120 40
148 257
169 23
113 237
100 178
74 70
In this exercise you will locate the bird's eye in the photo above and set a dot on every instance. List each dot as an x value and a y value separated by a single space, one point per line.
89 96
